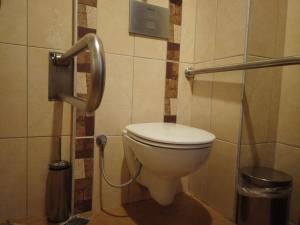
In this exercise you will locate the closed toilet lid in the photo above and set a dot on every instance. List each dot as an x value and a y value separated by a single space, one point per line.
171 133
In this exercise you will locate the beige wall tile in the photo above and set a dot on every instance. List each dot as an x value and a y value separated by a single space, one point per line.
262 91
97 192
13 179
289 121
41 151
198 183
264 16
222 178
45 118
13 91
112 26
257 155
116 171
292 35
13 22
50 23
187 45
205 30
287 159
114 112
184 96
281 27
202 99
231 28
148 90
226 102
150 48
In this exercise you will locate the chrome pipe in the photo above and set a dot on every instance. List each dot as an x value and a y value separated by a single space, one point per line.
190 72
97 71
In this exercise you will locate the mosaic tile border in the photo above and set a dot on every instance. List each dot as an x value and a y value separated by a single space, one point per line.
85 122
172 65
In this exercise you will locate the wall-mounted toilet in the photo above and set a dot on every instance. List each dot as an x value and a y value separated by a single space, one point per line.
166 152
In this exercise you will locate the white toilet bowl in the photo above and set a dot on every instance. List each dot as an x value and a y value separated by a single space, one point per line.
167 152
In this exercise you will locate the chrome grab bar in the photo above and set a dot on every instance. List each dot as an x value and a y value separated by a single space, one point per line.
97 73
190 72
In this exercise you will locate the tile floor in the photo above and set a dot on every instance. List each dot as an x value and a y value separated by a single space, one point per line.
184 211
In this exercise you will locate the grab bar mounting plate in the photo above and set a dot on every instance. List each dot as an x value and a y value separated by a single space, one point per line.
61 78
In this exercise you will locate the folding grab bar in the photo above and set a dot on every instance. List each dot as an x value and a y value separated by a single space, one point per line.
61 74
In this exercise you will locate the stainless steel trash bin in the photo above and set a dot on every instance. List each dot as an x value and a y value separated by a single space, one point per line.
263 197
58 194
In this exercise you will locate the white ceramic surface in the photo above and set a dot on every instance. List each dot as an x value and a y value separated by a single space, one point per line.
170 133
163 167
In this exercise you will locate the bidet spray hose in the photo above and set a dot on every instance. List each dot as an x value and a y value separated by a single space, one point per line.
101 141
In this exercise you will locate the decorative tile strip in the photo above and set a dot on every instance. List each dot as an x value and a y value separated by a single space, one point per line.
172 65
84 148
85 122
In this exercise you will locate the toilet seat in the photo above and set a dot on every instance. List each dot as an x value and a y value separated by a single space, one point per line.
170 135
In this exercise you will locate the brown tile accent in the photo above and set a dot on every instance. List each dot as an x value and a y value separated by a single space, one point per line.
85 124
83 195
171 33
84 68
82 16
171 88
170 119
83 62
167 106
84 148
88 167
172 71
83 57
88 2
173 51
175 11
84 30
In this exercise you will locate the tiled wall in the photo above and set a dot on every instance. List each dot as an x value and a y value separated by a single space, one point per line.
287 154
216 98
270 127
262 86
29 124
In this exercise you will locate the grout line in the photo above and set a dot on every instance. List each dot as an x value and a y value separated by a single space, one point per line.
31 137
218 59
268 143
32 46
9 43
84 137
27 111
290 145
260 143
195 32
132 83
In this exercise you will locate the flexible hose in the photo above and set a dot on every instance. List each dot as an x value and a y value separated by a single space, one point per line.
101 142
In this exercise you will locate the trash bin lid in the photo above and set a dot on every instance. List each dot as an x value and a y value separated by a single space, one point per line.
59 165
266 177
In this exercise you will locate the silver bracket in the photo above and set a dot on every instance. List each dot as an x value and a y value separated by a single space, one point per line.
61 78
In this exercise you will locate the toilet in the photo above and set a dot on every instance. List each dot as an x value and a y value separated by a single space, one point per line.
166 152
